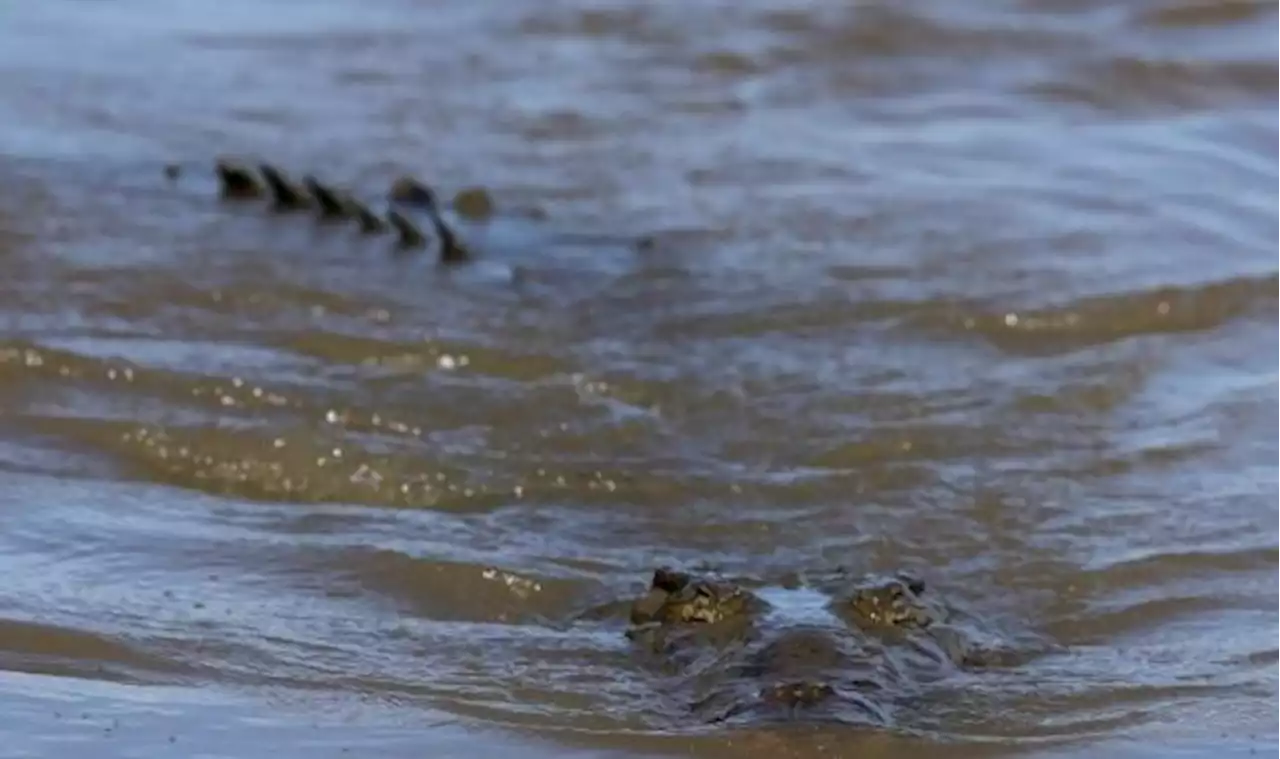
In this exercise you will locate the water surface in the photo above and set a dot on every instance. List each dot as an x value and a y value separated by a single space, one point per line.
988 293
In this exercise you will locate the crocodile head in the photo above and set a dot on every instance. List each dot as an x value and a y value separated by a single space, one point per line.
893 603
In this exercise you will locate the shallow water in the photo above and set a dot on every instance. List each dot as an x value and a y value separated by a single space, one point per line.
985 293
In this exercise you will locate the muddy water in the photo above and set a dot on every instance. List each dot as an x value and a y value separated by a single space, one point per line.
985 293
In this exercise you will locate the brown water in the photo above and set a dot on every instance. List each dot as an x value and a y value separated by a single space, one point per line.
983 290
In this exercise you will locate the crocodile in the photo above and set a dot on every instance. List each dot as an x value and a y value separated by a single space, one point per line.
413 212
844 649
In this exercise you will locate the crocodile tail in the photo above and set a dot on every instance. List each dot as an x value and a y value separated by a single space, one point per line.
412 192
329 200
236 181
452 250
286 195
410 235
370 222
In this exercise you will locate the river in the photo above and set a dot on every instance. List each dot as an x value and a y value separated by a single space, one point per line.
986 291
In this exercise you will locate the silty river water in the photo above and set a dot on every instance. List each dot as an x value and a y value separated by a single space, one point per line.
986 292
